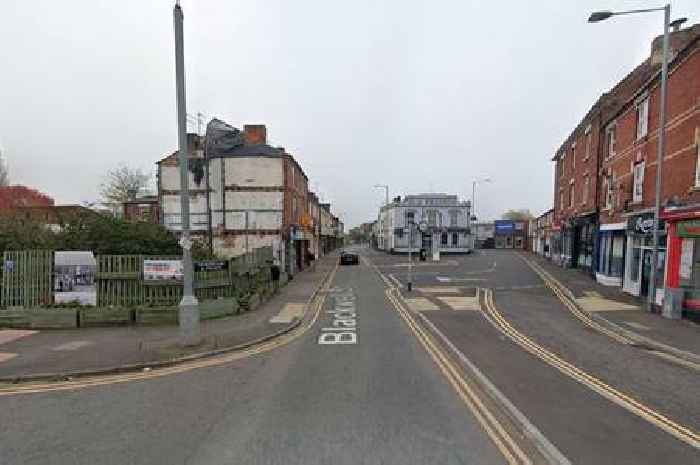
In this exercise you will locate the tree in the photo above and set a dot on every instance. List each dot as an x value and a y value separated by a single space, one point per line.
518 215
123 183
4 172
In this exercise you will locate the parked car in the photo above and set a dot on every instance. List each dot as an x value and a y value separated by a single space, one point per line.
349 258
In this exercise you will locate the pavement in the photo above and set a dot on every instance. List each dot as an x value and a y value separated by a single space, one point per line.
363 384
624 310
31 353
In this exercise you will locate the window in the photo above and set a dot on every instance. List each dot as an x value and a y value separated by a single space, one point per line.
432 217
638 187
610 140
455 239
573 155
562 159
642 118
586 186
454 218
399 233
609 191
571 193
561 199
443 239
410 218
588 142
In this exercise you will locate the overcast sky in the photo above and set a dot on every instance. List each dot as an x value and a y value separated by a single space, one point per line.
420 95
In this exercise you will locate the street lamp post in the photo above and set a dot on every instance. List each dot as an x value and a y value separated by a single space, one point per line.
661 146
188 314
474 183
386 191
409 285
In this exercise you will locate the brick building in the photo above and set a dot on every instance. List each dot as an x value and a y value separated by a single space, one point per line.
22 196
245 194
606 169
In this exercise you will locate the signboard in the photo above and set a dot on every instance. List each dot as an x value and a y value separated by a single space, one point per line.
211 265
686 268
689 228
504 227
162 270
643 224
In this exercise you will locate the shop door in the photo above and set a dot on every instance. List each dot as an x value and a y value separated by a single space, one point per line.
646 271
427 243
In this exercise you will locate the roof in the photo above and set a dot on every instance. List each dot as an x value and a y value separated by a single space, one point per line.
74 257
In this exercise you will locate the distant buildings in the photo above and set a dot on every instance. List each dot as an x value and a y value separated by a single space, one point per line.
447 224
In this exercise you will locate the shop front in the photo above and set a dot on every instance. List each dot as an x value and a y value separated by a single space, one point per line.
639 257
610 266
584 235
567 238
683 271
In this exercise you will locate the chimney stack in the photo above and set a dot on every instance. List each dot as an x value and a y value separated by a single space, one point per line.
255 134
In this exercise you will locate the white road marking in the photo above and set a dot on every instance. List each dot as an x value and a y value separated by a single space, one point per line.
343 327
73 345
289 313
9 335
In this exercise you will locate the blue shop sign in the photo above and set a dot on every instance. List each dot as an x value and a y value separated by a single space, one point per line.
504 227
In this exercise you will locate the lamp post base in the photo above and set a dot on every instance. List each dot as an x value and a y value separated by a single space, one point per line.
188 317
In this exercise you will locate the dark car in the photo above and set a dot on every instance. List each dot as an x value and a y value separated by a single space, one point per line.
349 258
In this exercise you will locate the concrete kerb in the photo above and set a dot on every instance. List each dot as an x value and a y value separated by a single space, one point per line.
130 368
636 338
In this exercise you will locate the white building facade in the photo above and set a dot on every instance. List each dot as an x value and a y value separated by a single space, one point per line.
447 224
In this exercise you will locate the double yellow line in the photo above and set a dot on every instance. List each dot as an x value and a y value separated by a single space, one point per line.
570 303
315 306
681 432
512 452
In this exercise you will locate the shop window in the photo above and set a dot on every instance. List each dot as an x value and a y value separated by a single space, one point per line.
638 188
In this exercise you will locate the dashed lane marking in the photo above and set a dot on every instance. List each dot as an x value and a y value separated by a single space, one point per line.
289 312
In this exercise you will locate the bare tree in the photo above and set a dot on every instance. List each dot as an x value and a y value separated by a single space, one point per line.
518 215
4 172
121 184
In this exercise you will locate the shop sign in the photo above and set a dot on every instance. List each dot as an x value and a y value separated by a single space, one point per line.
689 228
162 270
211 265
504 227
643 224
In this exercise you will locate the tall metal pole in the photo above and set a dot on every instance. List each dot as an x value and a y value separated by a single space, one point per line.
410 260
188 315
661 151
473 197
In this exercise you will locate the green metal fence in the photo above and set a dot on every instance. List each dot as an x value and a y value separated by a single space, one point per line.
26 278
120 280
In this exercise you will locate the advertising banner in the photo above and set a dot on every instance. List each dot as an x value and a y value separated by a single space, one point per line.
162 270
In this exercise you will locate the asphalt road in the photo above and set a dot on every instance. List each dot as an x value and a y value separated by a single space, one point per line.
380 400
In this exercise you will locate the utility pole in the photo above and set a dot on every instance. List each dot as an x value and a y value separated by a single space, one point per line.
188 314
409 285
